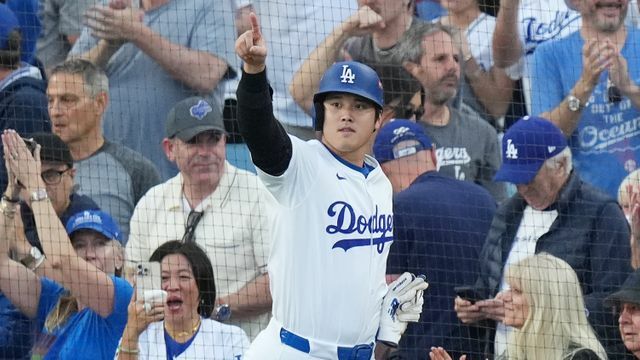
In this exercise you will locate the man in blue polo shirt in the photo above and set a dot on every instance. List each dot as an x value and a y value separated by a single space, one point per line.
440 224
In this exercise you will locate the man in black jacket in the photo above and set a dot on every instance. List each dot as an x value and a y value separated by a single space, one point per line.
554 211
23 100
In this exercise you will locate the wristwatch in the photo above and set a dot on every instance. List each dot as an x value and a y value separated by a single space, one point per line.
39 195
223 312
34 259
573 103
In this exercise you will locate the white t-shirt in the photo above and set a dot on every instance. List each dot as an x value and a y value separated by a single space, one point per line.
293 28
533 225
332 229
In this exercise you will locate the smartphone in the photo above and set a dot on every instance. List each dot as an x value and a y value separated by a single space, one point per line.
469 293
148 280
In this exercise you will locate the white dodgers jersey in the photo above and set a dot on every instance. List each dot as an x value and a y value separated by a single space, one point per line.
331 229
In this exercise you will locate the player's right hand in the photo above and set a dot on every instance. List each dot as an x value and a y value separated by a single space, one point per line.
251 48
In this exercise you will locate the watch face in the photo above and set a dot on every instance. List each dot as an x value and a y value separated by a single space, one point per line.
35 252
223 312
574 103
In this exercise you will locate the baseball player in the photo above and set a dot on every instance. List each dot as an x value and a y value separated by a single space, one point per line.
332 219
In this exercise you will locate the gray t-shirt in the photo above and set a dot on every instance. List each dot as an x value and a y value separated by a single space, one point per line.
60 18
116 177
397 83
142 93
467 149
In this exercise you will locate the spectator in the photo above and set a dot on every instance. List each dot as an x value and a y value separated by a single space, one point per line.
556 212
84 265
373 36
295 28
466 145
58 176
214 204
522 25
61 28
23 103
485 88
595 100
186 330
629 200
114 176
627 302
544 305
26 12
154 57
439 227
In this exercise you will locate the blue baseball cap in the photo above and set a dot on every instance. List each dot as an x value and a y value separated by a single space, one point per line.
95 220
399 138
8 23
526 146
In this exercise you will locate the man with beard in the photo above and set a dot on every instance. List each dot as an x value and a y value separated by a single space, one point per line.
467 146
587 84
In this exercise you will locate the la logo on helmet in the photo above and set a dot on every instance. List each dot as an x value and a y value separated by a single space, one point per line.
347 75
512 152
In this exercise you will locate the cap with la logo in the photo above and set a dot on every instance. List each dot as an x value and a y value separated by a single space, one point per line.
526 146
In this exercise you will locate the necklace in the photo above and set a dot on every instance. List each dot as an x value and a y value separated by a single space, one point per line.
183 334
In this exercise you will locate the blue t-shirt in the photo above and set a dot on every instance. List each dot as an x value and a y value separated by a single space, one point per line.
440 225
86 335
606 144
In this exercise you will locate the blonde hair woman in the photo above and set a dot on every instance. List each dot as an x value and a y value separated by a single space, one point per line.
545 307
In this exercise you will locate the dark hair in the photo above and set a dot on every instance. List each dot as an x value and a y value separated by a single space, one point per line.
10 55
201 267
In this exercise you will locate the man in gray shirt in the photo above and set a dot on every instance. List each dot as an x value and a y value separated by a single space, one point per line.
61 27
467 146
114 176
155 56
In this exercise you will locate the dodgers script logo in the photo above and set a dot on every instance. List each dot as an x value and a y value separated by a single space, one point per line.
538 30
200 110
347 75
348 222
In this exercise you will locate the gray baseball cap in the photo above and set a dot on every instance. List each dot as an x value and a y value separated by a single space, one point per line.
192 116
629 292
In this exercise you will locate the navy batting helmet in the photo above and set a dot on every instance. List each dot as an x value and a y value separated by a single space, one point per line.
349 77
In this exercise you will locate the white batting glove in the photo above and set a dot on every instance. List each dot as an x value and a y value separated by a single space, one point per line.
402 304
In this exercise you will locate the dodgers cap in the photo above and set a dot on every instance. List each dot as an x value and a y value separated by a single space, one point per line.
191 117
399 138
526 146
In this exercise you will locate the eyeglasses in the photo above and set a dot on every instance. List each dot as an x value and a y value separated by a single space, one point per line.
190 228
613 92
53 176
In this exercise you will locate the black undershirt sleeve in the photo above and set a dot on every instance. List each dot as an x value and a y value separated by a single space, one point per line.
268 142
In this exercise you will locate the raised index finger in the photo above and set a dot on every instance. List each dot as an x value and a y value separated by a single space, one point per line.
255 26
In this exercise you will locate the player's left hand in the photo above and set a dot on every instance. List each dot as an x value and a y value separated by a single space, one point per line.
402 304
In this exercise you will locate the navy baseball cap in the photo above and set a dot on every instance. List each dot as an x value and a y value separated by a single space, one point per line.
399 138
8 23
191 117
526 146
95 220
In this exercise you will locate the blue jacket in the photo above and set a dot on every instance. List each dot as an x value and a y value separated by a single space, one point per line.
440 225
590 233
